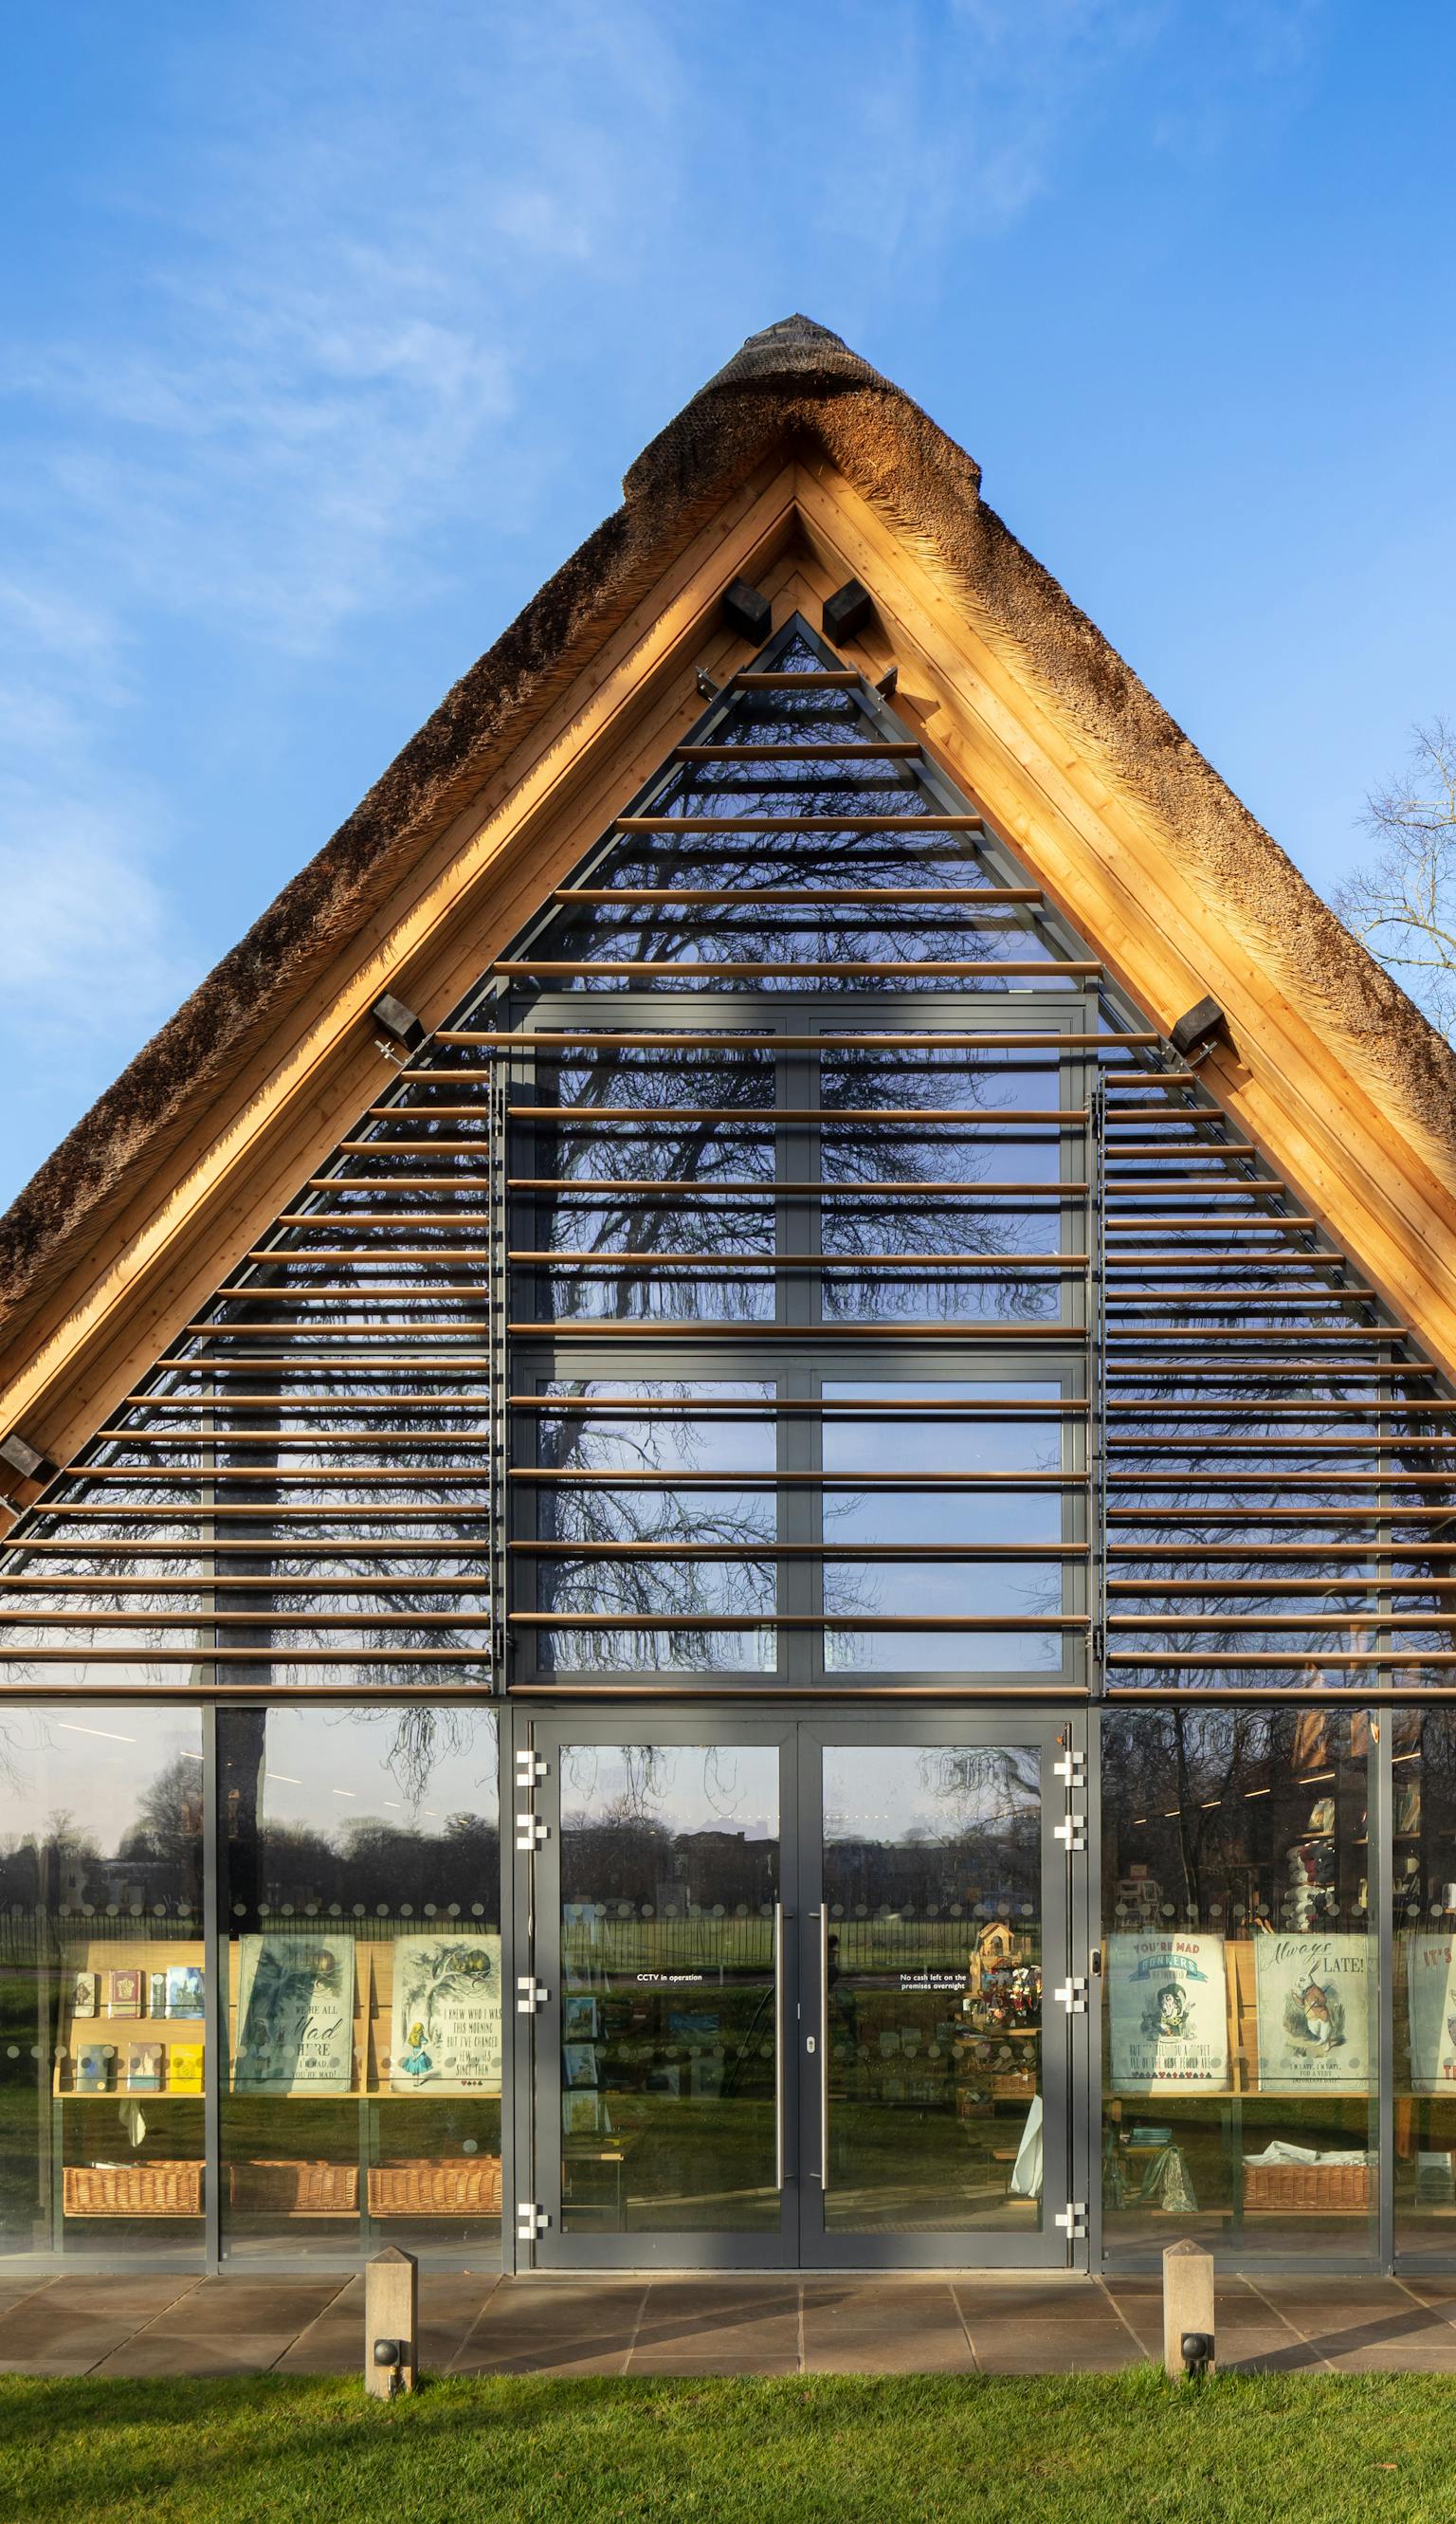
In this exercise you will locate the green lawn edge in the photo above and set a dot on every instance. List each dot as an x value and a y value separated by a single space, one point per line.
273 2450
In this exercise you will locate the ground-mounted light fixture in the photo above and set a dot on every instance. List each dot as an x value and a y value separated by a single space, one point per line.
851 608
21 1457
1196 2348
1199 1030
747 612
391 2322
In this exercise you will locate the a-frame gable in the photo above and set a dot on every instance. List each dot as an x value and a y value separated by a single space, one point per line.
312 1480
796 468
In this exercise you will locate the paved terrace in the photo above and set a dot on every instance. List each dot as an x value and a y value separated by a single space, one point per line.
488 2325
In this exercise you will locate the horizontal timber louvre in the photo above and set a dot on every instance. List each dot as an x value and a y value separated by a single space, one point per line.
792 1268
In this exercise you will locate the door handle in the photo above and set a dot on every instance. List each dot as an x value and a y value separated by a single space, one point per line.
824 2051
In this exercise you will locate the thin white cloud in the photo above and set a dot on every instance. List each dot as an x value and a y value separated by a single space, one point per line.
369 265
85 945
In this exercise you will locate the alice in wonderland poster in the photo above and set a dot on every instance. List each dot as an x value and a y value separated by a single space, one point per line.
294 2014
445 2029
1313 1997
1431 2010
1168 2014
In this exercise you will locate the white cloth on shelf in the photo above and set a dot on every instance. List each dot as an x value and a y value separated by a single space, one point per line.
1026 2172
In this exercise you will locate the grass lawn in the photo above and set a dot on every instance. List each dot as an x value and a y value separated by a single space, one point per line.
1130 2446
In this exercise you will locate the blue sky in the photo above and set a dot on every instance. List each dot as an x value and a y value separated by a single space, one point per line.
326 333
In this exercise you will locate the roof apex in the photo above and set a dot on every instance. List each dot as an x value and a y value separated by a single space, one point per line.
792 344
778 382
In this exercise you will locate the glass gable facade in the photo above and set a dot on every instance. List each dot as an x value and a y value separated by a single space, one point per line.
797 1288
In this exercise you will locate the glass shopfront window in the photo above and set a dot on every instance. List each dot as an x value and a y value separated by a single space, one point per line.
360 1899
1240 1983
102 1982
1423 1886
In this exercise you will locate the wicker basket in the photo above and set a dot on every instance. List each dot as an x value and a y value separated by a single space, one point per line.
291 2187
1329 2187
452 2186
158 2189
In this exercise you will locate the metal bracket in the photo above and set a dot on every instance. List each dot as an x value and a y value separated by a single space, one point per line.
531 1997
530 1831
1072 1833
1072 2220
1072 1995
1073 1769
529 1768
532 2222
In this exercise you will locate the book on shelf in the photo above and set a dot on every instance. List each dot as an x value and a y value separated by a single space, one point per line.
184 2067
144 2063
93 2068
157 1993
126 1992
184 1989
84 1994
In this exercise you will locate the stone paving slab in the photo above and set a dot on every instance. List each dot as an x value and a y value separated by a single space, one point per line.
479 2323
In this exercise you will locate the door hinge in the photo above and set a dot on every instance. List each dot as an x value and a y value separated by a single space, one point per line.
1072 1995
1072 2220
529 1768
1072 1833
1073 1769
532 2222
530 1831
530 1996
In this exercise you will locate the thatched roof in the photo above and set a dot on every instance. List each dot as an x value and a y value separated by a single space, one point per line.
794 384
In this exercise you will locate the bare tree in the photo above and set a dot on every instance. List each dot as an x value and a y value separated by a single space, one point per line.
1403 904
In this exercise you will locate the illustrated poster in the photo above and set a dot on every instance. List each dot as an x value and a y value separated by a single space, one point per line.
445 2032
1168 2013
1431 2010
1313 1999
295 2015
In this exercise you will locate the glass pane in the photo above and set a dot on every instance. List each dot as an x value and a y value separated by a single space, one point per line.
669 1883
361 1898
102 2035
1422 1880
933 1922
1240 1983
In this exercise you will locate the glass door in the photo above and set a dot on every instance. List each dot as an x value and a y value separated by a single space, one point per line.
664 1913
933 2047
799 1991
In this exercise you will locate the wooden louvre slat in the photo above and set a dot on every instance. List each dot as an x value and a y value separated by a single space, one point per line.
606 1037
568 1478
985 896
870 749
728 825
1008 1118
715 1621
943 968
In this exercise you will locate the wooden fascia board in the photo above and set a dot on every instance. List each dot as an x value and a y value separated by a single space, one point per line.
1112 866
462 902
